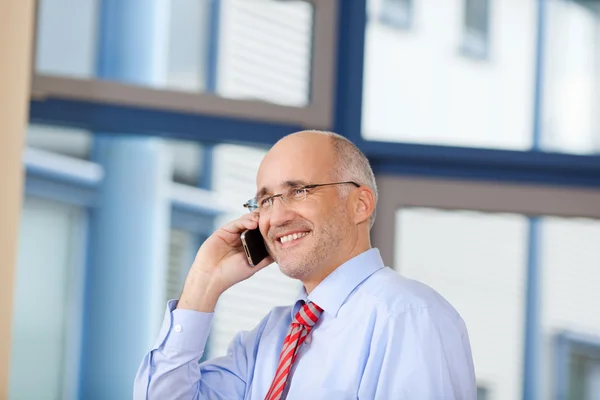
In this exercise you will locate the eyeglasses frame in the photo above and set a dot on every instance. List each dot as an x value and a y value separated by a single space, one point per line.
252 208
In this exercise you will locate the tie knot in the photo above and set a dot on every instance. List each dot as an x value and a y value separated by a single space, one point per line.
308 315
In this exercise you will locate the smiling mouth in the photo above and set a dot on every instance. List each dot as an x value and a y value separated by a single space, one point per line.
290 238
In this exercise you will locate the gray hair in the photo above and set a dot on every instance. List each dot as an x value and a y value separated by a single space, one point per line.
352 165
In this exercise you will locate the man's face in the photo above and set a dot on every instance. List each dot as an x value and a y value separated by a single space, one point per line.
302 236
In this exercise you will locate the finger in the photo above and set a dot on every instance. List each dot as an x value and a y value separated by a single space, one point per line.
249 221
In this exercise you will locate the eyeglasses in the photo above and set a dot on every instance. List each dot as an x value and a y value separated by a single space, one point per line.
292 196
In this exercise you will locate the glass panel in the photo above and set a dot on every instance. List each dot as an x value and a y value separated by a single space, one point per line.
577 377
482 393
571 101
476 29
477 262
186 156
62 140
396 13
189 23
182 249
570 257
67 37
593 380
420 88
46 325
187 161
260 49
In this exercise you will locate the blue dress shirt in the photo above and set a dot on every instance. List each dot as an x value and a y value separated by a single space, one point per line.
380 336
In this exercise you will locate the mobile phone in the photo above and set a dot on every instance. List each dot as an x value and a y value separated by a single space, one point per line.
254 246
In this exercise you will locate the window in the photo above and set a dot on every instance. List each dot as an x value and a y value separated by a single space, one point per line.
397 13
476 29
419 88
577 366
48 300
182 249
570 257
71 142
584 382
571 68
482 393
477 259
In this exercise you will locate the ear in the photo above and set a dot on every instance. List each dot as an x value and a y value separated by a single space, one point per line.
364 204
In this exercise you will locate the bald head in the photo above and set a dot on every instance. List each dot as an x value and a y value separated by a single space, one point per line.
305 142
323 157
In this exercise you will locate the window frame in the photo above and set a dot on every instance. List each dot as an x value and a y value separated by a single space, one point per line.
318 113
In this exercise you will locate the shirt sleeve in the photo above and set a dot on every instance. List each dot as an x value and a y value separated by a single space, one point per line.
422 354
172 369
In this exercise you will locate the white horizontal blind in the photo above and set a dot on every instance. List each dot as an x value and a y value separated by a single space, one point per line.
265 51
243 306
179 262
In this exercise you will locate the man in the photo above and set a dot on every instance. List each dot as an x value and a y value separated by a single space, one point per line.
357 330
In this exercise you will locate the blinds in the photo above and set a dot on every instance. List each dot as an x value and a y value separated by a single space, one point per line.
180 250
265 49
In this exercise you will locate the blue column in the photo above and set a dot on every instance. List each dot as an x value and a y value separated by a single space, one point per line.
130 226
533 329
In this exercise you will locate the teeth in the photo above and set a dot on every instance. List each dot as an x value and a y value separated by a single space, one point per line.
293 236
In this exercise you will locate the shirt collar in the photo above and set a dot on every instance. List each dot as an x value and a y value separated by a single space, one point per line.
331 293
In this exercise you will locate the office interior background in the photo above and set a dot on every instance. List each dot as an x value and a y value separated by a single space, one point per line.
148 119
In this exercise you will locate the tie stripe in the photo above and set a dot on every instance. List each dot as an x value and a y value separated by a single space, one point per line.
305 319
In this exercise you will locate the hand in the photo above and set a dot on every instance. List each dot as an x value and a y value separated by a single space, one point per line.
219 264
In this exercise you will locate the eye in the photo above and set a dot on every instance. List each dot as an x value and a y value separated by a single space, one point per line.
298 193
265 202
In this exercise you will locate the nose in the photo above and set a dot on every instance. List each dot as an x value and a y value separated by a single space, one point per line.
280 213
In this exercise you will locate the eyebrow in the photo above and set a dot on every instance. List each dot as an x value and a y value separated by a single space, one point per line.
289 184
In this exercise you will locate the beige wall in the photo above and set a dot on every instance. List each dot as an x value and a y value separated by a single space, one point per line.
16 36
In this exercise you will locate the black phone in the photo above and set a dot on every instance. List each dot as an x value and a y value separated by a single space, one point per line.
254 246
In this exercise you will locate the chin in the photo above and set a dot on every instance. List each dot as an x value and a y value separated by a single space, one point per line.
293 269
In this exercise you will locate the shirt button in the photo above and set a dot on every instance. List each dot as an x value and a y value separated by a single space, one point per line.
308 340
177 328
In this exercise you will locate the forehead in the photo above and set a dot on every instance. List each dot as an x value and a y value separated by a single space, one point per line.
306 158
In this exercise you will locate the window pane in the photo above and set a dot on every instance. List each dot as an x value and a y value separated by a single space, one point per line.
571 100
396 13
477 262
420 87
67 37
476 15
71 142
48 291
189 30
260 49
570 260
182 249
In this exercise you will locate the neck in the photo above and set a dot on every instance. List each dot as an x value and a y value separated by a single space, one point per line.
311 282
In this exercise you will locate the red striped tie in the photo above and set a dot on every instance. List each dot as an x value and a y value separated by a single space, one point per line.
299 329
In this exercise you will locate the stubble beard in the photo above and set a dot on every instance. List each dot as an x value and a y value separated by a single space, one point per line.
300 264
